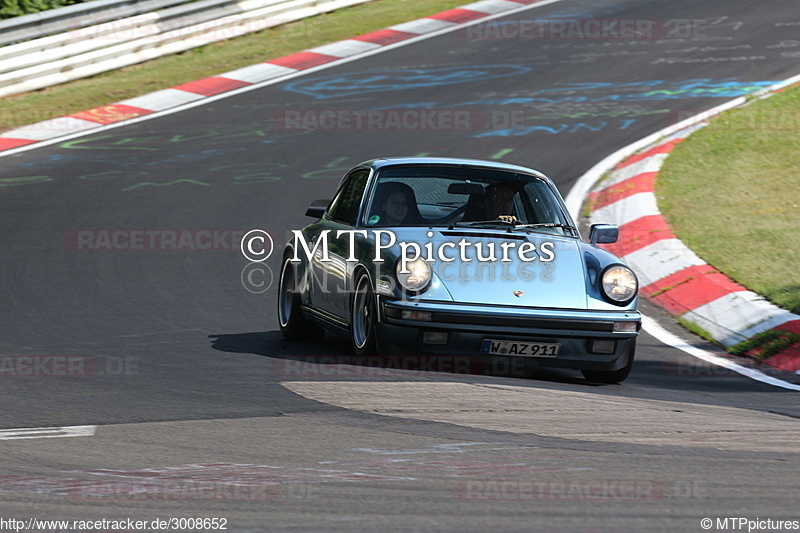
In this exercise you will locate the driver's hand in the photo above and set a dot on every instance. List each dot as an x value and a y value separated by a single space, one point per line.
508 219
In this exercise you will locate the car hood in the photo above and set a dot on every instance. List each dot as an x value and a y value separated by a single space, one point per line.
555 279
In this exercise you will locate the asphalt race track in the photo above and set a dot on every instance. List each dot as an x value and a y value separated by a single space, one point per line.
177 359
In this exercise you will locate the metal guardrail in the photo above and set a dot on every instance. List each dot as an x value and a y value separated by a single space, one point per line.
52 21
93 37
91 49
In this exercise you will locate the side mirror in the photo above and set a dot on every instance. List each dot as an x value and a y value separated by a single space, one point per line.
603 234
317 208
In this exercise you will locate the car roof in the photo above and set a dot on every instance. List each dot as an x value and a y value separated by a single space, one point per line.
449 161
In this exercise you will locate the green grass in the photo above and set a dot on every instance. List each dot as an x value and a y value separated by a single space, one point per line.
697 330
18 8
210 60
731 192
766 344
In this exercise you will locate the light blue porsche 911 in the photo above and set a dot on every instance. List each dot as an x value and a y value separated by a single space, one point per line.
460 257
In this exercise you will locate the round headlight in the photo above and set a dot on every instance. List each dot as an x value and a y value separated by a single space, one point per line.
619 284
416 277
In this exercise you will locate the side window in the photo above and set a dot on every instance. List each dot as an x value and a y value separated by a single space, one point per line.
344 207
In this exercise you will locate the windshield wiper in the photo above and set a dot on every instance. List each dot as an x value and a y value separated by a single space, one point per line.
476 223
512 225
544 225
573 229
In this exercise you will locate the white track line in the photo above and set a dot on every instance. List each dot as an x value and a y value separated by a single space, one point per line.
47 433
654 329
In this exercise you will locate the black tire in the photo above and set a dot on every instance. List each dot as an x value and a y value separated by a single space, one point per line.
612 376
363 317
293 324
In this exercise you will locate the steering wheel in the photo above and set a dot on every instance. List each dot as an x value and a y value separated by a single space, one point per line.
448 217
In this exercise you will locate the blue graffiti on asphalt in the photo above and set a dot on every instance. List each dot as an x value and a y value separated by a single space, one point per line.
119 161
652 90
570 127
571 100
392 80
694 88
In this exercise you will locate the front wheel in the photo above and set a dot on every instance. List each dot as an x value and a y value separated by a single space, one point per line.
612 376
363 317
293 324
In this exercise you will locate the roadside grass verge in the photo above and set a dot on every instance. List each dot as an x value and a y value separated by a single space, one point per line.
766 344
211 60
731 192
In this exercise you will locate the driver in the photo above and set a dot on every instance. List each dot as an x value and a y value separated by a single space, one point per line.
497 204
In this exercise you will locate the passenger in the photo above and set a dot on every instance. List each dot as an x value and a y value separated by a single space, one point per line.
395 208
396 205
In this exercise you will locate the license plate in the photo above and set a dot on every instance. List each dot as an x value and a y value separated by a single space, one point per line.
524 349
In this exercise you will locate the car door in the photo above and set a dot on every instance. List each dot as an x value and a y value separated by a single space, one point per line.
330 286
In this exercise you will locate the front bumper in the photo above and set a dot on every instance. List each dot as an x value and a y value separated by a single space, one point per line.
462 329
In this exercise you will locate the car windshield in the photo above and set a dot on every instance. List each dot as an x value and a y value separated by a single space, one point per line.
465 197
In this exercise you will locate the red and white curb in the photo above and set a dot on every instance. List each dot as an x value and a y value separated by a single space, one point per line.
670 274
272 70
